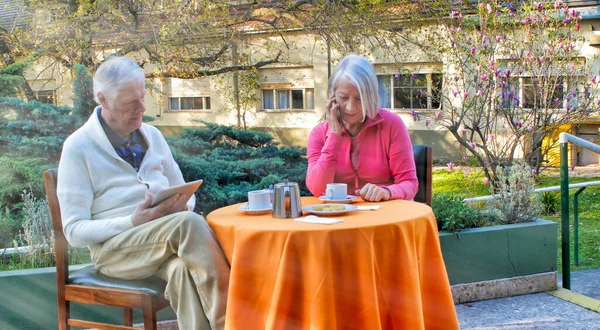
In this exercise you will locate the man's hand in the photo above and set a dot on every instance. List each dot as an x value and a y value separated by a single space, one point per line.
145 213
374 193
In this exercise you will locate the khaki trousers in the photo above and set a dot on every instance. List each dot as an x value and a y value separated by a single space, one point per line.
181 249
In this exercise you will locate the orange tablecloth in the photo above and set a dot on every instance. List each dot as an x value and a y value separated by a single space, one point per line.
377 270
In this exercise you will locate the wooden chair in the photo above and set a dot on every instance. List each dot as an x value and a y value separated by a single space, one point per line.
424 164
89 286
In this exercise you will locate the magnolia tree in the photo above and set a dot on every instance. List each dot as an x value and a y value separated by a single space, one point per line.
513 76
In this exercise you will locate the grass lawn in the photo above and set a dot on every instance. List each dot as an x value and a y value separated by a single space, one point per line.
445 181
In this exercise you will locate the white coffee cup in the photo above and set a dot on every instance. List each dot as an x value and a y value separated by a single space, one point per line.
259 200
336 191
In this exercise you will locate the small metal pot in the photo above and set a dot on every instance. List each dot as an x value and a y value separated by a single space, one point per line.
286 200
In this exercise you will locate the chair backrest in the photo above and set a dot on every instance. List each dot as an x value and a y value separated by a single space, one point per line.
424 164
61 247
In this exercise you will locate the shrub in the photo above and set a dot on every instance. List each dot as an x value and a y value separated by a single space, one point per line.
550 202
453 214
37 235
515 201
232 162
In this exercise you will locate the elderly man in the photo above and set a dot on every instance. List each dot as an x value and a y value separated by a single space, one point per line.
108 171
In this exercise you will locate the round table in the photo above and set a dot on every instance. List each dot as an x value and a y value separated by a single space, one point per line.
376 270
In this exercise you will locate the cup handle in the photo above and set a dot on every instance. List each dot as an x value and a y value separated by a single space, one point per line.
329 193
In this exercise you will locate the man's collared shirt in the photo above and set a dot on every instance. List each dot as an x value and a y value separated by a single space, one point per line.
131 150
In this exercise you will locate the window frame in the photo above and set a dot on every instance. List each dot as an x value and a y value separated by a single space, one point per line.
51 96
206 103
429 76
521 92
306 102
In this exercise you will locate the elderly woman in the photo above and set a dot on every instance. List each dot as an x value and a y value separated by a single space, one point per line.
359 144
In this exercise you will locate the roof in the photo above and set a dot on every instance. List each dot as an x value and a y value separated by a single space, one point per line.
13 14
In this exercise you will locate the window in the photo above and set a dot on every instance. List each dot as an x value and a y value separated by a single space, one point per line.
521 92
47 96
287 88
189 103
410 91
288 99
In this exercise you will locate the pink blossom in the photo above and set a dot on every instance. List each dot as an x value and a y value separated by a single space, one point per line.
427 122
450 166
557 4
572 167
479 92
486 180
567 20
473 145
466 94
578 26
466 159
478 67
533 172
489 8
454 14
472 50
538 5
594 79
454 93
467 172
483 77
464 131
437 114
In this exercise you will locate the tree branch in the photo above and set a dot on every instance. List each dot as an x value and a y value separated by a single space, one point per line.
206 73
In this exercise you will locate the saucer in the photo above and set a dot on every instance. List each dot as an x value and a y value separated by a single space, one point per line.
255 211
346 200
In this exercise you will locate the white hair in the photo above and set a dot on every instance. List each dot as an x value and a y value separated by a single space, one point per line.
359 71
113 74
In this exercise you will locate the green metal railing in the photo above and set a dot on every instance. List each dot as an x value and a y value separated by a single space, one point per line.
564 139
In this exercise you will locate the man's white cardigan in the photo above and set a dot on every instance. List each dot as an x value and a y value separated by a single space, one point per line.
98 190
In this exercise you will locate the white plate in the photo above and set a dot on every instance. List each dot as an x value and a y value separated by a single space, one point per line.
347 208
346 200
254 211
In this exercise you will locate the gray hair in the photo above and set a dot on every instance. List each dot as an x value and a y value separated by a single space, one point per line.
115 73
360 72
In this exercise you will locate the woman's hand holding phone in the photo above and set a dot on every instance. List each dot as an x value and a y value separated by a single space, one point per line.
333 115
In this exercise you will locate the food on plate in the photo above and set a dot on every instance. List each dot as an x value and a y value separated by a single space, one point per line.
329 208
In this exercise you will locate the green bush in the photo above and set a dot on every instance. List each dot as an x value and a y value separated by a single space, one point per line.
550 202
515 201
453 214
232 162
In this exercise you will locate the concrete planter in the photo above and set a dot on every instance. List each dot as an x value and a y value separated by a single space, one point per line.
28 301
507 257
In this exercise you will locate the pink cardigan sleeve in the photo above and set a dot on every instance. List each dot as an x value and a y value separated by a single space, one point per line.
402 164
322 150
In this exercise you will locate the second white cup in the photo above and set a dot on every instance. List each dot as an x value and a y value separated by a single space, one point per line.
336 191
259 200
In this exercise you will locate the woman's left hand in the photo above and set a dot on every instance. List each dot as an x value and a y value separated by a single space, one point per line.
374 193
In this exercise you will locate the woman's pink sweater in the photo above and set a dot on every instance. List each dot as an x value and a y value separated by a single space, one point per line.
385 158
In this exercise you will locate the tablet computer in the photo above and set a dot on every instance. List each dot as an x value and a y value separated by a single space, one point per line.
187 189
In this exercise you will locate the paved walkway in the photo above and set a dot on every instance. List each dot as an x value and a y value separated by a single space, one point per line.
538 311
